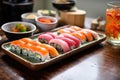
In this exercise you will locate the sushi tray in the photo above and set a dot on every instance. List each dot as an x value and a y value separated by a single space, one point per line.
44 49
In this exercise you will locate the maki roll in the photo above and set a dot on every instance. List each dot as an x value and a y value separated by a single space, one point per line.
26 50
44 38
76 40
60 45
16 46
52 51
41 53
70 42
52 34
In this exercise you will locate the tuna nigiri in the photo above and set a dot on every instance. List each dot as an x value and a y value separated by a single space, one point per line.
76 40
88 35
70 42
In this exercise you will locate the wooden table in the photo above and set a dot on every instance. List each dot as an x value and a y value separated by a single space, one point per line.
100 62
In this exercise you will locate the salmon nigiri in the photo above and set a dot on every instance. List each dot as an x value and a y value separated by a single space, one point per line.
94 34
88 35
76 28
82 37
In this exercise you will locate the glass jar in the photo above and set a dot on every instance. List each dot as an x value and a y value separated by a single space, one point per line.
113 23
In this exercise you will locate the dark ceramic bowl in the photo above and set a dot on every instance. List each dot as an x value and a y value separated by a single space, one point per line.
7 29
63 6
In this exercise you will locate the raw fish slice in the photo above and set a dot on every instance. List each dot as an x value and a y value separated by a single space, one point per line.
52 34
88 35
94 34
52 51
60 45
34 43
63 31
70 30
76 28
44 38
82 37
17 42
26 40
70 42
76 40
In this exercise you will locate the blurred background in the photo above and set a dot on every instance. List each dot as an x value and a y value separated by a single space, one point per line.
94 8
11 8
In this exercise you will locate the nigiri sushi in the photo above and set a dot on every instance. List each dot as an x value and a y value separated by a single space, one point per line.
60 45
70 30
88 35
44 38
63 31
82 37
76 40
94 34
70 42
76 28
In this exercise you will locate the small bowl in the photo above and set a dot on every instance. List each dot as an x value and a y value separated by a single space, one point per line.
46 12
63 6
29 17
46 26
7 29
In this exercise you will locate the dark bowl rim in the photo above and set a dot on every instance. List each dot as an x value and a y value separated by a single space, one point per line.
69 2
34 27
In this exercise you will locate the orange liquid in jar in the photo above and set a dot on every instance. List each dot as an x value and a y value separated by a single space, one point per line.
113 25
